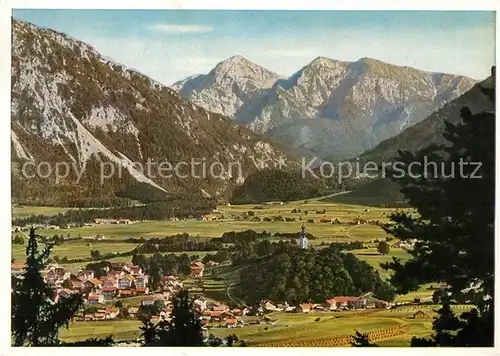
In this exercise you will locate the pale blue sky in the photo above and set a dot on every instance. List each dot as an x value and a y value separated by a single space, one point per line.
169 45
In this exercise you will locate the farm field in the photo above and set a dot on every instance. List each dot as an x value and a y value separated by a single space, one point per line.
24 211
374 258
77 249
119 329
214 228
300 327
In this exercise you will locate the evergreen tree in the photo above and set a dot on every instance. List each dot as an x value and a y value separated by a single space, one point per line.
383 248
361 340
35 318
184 328
454 229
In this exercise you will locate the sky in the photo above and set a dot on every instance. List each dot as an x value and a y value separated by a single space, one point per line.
169 45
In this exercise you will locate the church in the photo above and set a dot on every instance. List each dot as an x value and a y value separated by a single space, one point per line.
303 238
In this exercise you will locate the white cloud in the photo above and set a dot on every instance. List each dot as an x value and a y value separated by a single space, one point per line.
171 28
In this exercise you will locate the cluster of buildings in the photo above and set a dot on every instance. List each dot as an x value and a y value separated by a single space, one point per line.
339 303
407 244
214 313
16 228
112 221
355 221
123 280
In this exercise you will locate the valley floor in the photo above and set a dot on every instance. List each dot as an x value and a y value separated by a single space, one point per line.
289 326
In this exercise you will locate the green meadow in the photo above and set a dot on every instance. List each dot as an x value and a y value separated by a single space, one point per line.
289 326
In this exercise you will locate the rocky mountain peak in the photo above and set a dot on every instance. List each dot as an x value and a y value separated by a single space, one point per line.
327 105
240 69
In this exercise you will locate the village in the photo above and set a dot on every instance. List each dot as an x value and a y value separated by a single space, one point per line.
106 297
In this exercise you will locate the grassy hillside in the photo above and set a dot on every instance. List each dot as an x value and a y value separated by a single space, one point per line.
380 192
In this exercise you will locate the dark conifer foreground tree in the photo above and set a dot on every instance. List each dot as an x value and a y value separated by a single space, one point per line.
455 227
362 340
184 329
35 318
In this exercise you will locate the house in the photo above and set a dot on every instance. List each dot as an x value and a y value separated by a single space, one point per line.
200 304
304 308
319 307
230 323
75 282
141 291
99 316
372 303
95 298
92 285
348 302
108 282
269 306
148 301
125 282
123 221
237 312
66 293
141 281
132 312
225 315
115 274
421 315
109 292
215 316
85 275
101 221
55 273
218 307
211 264
123 293
111 312
331 304
135 270
17 267
197 269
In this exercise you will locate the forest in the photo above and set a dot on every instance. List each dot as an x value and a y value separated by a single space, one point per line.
295 275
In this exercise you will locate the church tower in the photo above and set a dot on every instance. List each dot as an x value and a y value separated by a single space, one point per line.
303 238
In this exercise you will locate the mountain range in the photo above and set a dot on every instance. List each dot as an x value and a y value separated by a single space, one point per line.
430 130
330 108
71 104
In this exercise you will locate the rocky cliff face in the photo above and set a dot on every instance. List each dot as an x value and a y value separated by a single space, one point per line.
331 108
430 130
232 87
70 104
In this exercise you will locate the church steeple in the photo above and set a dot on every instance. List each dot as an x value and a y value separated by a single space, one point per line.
303 238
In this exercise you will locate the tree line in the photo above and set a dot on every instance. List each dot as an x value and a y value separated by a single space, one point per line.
177 243
153 211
